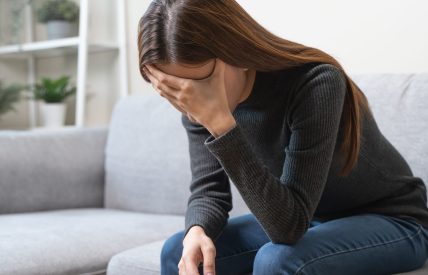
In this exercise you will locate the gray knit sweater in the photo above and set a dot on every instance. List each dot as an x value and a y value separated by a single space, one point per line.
283 157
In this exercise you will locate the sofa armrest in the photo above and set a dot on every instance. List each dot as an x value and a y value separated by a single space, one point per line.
45 170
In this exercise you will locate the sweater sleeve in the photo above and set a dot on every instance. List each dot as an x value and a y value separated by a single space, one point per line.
210 201
284 206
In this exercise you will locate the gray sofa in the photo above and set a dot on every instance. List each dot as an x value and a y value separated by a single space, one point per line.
103 200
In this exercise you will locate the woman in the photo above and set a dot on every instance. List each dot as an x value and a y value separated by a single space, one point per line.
328 193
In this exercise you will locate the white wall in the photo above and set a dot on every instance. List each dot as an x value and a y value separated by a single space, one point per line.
364 35
135 10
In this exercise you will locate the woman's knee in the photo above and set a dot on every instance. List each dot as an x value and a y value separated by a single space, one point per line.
172 249
276 259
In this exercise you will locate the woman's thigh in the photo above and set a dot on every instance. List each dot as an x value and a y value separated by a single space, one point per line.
359 244
236 247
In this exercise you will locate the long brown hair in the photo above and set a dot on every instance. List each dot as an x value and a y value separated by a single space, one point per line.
194 31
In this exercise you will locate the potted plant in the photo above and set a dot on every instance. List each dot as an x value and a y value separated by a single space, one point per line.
52 93
9 96
59 16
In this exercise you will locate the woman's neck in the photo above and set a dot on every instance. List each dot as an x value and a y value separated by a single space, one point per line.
250 76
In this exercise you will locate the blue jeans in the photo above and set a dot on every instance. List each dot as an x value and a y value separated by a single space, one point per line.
359 244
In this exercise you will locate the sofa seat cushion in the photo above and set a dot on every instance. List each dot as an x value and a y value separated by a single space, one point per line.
76 241
141 260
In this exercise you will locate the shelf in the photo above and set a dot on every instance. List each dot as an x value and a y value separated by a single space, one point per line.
40 129
50 48
50 129
78 48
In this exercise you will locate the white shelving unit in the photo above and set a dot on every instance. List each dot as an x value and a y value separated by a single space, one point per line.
80 45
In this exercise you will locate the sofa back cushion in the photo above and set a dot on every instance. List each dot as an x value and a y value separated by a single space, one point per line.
400 105
51 169
147 158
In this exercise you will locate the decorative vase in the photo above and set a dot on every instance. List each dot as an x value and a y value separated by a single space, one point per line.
59 29
53 114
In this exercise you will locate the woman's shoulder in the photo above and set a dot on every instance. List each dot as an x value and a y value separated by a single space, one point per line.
313 75
319 70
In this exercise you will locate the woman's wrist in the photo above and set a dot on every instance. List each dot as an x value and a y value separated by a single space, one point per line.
196 229
221 124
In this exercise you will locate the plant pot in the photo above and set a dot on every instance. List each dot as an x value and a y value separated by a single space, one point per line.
53 114
60 29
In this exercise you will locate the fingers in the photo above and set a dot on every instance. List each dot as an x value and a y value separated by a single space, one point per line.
165 91
209 253
191 266
162 89
181 267
164 78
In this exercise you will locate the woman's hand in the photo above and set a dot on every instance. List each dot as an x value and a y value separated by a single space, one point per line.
203 101
197 247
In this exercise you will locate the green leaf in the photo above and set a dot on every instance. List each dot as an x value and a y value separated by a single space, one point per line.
9 96
58 10
53 90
